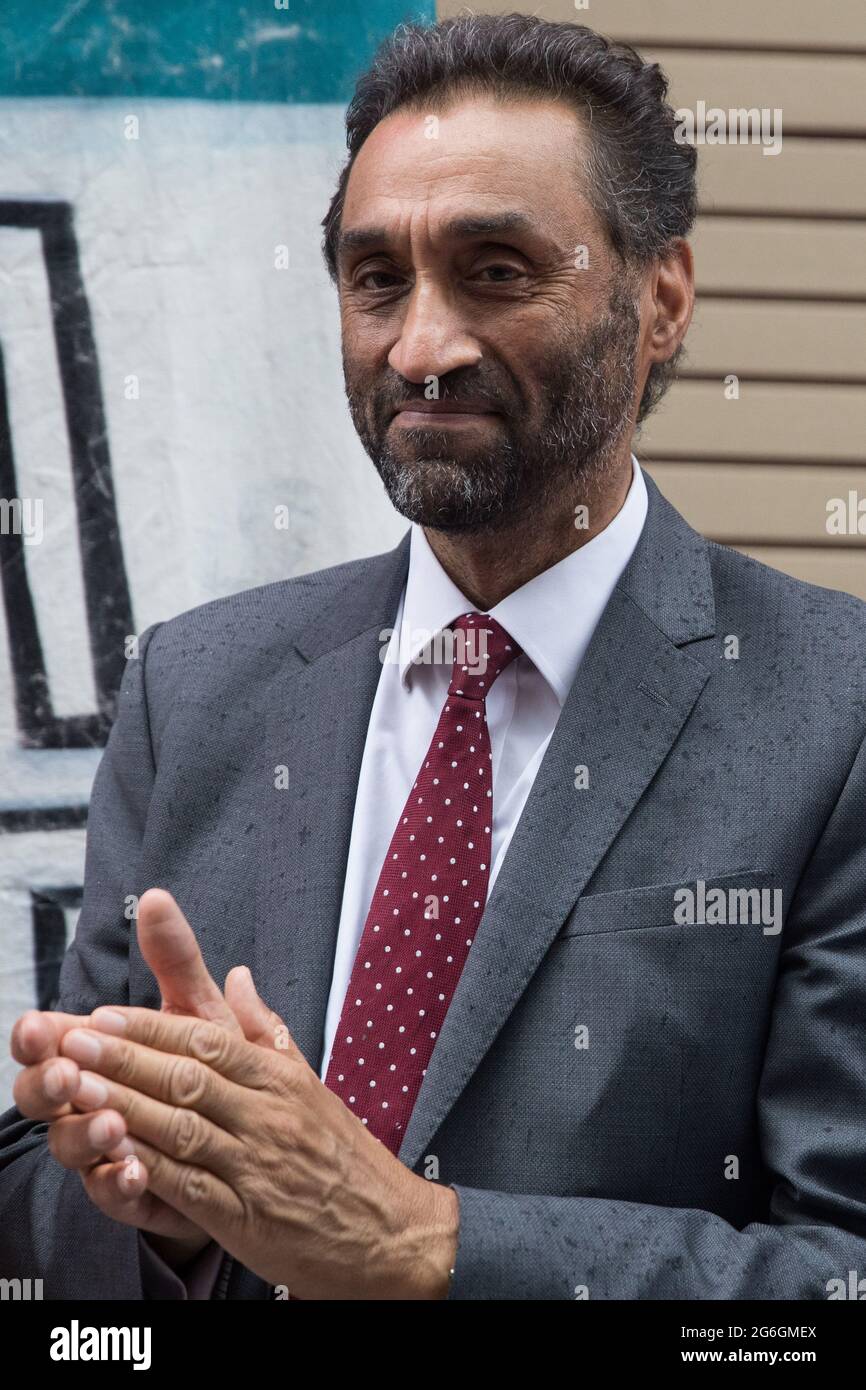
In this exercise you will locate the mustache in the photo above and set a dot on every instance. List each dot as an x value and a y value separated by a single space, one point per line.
392 396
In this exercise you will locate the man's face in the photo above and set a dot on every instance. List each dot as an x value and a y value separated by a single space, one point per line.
477 286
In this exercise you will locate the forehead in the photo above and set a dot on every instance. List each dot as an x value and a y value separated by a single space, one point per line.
428 162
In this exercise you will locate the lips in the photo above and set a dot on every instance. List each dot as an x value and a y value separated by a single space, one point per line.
434 408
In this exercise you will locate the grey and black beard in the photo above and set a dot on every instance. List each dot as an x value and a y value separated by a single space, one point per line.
589 396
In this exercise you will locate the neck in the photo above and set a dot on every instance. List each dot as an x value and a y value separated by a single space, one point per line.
489 565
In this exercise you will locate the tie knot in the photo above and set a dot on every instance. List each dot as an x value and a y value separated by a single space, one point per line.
482 650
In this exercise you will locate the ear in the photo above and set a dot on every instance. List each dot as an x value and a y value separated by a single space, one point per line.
672 289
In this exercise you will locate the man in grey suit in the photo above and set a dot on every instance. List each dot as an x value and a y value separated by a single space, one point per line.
647 1077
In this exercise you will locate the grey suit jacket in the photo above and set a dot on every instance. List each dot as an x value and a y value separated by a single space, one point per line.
627 1104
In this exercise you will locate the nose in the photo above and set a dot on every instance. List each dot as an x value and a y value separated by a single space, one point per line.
433 340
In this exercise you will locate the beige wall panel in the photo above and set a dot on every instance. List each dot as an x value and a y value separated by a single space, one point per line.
751 256
814 92
758 472
807 423
777 339
834 570
784 23
807 177
743 503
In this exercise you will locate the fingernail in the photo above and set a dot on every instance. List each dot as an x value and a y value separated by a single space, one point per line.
55 1081
108 1021
82 1045
131 1174
103 1129
91 1091
251 984
125 1149
29 1027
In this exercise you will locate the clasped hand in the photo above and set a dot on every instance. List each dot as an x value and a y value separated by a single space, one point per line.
216 1126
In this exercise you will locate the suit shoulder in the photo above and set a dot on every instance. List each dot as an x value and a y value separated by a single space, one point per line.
766 586
264 614
228 650
813 629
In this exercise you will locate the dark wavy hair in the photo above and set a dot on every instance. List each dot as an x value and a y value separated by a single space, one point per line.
640 179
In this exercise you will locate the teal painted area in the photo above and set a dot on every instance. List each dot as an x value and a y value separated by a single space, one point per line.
207 49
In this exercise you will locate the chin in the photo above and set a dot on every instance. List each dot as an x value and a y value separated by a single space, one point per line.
445 511
447 493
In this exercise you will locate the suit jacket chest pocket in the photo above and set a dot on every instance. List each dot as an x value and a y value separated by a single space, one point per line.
746 898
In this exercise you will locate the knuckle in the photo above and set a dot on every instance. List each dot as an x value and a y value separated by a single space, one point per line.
193 1185
186 1081
209 1043
122 1061
187 1134
129 1104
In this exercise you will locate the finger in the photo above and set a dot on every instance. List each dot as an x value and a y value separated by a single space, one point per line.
120 1191
179 1133
168 944
35 1035
197 1194
229 1054
44 1091
79 1141
259 1023
177 1081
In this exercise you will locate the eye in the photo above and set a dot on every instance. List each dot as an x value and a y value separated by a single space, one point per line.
370 275
501 273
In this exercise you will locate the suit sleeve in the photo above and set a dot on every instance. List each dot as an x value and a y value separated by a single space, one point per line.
812 1124
49 1229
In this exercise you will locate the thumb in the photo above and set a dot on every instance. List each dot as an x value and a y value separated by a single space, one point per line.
168 945
259 1023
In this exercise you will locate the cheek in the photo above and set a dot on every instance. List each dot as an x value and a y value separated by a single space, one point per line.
366 342
531 351
533 331
360 321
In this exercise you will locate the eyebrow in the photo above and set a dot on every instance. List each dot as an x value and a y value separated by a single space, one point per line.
361 238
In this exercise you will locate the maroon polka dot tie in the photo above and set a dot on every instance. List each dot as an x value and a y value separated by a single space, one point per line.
428 900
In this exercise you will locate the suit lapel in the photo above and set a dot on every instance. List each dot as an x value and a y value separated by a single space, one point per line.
635 688
316 713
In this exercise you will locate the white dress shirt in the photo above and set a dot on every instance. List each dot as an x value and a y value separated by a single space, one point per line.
553 618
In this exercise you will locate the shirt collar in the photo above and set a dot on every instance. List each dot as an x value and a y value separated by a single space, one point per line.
552 617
